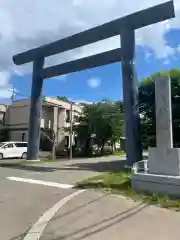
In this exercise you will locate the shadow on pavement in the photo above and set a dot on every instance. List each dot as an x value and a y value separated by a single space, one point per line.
29 168
93 228
21 236
109 166
90 166
101 225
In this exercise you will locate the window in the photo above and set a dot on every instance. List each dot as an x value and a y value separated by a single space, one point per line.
24 136
2 118
75 141
42 123
66 141
9 145
21 145
49 124
2 144
67 115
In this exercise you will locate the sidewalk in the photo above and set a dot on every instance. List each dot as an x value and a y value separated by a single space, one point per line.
94 216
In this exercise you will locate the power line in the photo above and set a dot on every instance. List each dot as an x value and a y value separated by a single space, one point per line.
14 92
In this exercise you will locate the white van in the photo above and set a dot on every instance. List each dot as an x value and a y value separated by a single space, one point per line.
13 150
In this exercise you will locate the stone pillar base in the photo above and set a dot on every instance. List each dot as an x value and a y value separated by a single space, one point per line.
164 161
150 183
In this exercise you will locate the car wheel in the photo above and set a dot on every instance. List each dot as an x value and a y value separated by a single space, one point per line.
1 156
24 155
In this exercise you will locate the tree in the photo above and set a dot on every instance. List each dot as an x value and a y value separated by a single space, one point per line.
48 137
147 111
63 98
110 123
147 107
85 130
117 123
100 122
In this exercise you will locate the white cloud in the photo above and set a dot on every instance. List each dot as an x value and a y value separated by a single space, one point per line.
33 23
4 78
81 101
148 55
178 48
62 77
94 82
166 62
6 89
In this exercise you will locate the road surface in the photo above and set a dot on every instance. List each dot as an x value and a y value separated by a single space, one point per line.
39 202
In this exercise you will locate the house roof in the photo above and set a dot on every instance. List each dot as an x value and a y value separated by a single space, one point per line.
47 101
3 107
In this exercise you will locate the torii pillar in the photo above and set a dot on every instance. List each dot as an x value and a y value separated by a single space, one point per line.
130 96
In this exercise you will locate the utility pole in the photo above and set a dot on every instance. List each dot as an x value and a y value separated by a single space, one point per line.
13 94
71 133
54 146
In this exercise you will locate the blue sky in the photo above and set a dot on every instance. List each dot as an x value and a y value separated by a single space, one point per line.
157 48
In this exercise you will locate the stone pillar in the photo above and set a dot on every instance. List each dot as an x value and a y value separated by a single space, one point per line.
164 159
163 112
35 111
130 95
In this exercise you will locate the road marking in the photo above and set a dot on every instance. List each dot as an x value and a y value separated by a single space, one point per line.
50 184
37 229
33 173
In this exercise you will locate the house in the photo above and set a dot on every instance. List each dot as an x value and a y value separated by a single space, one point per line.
55 116
3 108
3 133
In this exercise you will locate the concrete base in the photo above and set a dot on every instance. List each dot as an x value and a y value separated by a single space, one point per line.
164 161
150 183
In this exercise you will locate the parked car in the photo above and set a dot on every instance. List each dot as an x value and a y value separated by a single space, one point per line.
13 150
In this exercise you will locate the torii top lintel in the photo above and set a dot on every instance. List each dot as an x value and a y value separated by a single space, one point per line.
133 21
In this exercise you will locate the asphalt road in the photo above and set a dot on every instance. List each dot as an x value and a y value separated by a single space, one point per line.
38 202
22 203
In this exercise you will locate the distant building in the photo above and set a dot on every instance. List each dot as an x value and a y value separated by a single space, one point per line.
3 132
55 116
3 108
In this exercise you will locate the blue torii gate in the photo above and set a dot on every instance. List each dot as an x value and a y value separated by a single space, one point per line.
125 27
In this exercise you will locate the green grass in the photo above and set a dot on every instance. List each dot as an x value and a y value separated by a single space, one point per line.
119 153
120 183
